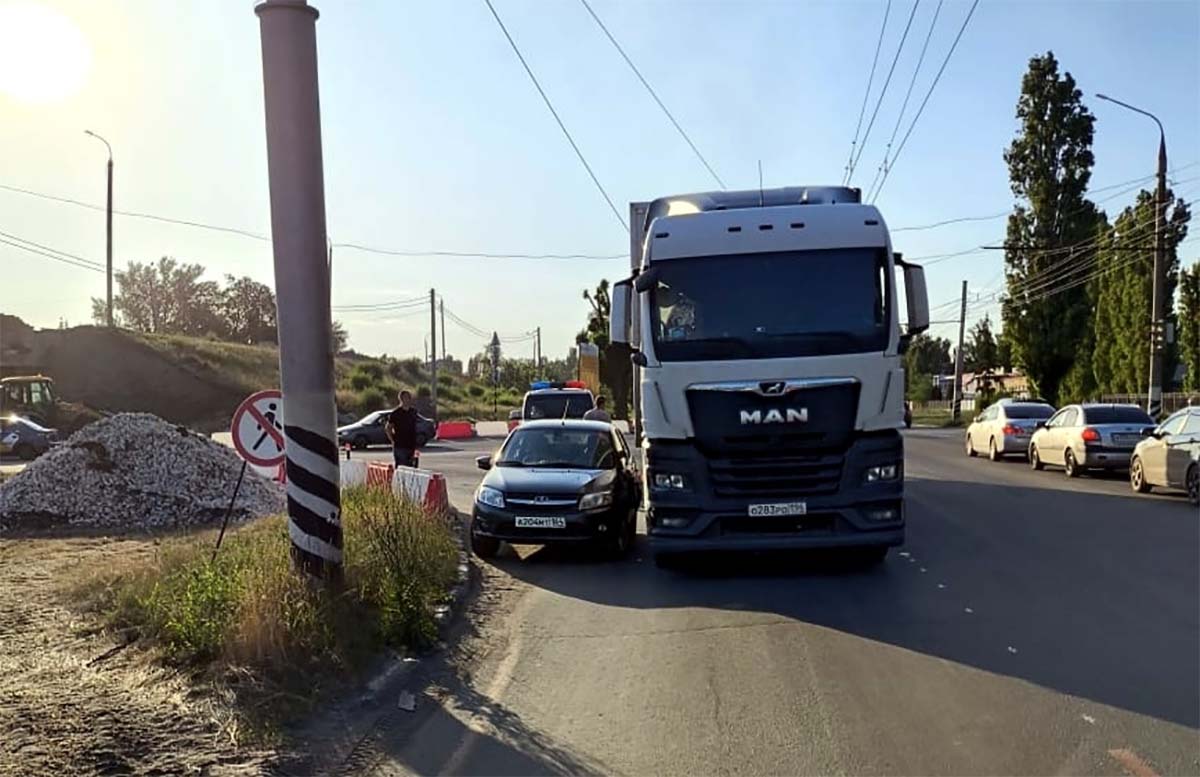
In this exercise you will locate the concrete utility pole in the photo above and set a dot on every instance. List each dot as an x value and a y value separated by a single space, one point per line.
433 349
442 313
956 407
107 226
302 283
1159 282
537 371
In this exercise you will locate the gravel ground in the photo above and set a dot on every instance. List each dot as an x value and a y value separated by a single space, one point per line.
74 700
133 471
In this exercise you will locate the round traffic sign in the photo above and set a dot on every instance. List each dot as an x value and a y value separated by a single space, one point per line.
258 428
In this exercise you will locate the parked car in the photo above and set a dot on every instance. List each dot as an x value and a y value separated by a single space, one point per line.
1083 437
23 438
1170 456
1004 427
370 430
547 399
551 482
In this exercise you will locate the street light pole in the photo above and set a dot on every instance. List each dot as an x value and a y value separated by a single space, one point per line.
1159 281
108 227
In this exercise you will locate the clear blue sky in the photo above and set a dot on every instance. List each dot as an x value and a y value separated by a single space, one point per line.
435 139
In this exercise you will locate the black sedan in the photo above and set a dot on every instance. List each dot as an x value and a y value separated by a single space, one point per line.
23 438
558 482
370 430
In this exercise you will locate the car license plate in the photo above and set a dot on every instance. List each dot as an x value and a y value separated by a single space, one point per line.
541 522
778 509
1128 439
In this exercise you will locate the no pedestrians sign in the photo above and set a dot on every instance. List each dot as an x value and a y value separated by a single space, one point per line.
258 428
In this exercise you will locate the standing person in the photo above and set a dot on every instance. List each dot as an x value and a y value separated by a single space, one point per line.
402 431
598 413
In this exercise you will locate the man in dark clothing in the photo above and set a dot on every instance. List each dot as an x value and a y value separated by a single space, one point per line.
402 431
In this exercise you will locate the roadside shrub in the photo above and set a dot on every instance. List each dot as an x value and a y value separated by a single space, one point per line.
371 370
360 381
424 392
445 380
475 390
371 400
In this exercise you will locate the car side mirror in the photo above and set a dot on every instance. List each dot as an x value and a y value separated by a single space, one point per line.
483 462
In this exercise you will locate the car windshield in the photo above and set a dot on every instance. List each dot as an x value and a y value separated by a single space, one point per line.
565 447
786 303
552 405
1028 411
1117 415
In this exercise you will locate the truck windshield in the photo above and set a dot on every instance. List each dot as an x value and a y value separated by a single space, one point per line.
785 303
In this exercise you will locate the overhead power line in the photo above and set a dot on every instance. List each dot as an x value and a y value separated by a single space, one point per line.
654 94
925 101
904 106
867 95
473 254
83 264
883 92
554 113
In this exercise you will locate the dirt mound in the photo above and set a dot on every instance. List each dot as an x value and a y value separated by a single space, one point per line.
133 471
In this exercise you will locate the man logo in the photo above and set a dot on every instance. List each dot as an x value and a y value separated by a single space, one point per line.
775 416
772 389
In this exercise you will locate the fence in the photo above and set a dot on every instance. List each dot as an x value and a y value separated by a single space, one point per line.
1171 401
944 405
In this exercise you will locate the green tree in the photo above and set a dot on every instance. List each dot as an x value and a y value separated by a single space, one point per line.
927 356
164 298
981 353
248 309
1189 326
1049 164
1004 352
1121 355
341 338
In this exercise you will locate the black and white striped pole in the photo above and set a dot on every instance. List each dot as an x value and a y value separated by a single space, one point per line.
302 282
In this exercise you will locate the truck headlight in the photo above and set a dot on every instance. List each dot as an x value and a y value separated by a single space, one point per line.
881 473
670 481
596 501
486 495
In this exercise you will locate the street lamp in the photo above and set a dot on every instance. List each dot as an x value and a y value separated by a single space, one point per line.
108 225
1159 282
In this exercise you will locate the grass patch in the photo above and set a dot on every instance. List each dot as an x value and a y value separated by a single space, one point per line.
937 417
248 615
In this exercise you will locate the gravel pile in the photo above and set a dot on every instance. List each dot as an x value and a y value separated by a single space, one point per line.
134 470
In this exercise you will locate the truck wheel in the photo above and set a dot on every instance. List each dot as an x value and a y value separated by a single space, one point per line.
1137 476
25 452
484 547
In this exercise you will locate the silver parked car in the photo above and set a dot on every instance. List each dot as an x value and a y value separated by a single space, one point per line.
1083 437
1170 456
1005 427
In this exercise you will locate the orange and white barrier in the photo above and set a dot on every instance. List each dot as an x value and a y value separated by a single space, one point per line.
456 430
354 473
379 474
423 487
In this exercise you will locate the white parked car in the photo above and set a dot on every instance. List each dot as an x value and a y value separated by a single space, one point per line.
1005 427
1083 437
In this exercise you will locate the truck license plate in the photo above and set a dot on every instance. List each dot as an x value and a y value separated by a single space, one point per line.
778 509
541 522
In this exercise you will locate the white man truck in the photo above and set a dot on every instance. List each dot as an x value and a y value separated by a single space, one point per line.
768 379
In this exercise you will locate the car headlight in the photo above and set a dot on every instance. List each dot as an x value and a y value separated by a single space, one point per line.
881 473
486 495
596 501
669 481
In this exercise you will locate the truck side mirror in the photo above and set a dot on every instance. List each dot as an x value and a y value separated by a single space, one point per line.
916 297
618 316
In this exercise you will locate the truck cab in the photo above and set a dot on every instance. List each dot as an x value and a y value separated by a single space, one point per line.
31 396
769 386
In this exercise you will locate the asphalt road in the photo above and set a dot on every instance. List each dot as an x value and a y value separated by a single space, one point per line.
1032 625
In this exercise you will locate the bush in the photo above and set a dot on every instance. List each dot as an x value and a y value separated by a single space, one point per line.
371 370
371 400
445 380
250 609
476 391
360 381
424 392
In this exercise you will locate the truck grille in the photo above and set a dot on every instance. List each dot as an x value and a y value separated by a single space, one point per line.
776 476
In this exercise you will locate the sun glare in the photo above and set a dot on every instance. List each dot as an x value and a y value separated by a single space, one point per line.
44 57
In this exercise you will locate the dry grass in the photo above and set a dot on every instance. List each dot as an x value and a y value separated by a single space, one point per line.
249 619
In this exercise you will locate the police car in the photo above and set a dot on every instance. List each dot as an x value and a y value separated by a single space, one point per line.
551 399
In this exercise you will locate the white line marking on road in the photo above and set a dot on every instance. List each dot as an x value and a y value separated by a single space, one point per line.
968 610
1012 649
904 553
923 569
941 585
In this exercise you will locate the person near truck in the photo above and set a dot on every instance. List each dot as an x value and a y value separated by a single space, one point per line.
598 413
402 431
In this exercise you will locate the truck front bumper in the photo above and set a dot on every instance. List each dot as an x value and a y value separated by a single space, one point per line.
841 506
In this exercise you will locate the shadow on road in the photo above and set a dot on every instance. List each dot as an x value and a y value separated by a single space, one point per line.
1095 595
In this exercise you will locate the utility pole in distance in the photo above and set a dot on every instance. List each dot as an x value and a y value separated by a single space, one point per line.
956 407
108 227
302 284
537 370
1159 281
433 350
442 312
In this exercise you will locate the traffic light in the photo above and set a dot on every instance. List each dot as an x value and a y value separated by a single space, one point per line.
1157 336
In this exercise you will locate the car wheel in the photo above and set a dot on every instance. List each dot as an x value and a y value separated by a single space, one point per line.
1071 466
484 547
618 546
25 451
360 443
1137 476
970 447
422 440
993 454
1193 484
1035 461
